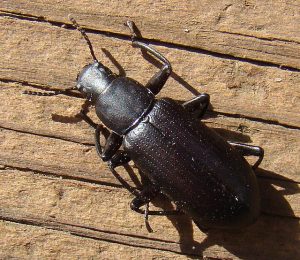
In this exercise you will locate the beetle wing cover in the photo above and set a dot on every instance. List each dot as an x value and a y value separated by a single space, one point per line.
191 164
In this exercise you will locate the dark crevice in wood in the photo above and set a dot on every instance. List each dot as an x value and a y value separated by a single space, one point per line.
59 176
152 41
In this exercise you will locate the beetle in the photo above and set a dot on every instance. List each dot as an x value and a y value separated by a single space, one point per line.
205 176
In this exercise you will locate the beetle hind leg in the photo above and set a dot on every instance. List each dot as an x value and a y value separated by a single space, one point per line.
247 150
198 105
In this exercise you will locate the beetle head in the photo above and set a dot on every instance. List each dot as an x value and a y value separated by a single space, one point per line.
93 79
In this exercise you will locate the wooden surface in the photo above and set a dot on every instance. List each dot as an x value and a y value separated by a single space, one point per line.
59 201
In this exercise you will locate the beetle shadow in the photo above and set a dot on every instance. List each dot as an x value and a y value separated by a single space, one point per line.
74 119
274 235
120 69
158 64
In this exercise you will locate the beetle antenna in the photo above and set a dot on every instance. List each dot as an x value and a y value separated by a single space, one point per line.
83 33
37 93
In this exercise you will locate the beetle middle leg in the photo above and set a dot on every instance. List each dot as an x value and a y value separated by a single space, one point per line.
198 105
247 149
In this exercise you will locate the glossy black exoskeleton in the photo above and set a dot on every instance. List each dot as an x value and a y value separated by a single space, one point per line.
205 176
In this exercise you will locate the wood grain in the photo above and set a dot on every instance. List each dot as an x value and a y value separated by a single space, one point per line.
255 30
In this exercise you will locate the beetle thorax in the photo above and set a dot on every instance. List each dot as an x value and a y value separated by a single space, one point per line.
123 104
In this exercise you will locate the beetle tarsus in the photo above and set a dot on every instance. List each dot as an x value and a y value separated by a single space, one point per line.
147 224
132 28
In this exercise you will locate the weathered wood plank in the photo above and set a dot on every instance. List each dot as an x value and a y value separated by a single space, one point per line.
45 55
41 116
85 209
19 241
254 30
56 55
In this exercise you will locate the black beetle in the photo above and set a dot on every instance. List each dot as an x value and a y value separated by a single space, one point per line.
205 176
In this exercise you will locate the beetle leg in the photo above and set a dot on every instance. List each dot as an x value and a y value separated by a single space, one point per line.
159 79
120 159
145 196
113 142
247 149
156 83
112 145
198 105
110 153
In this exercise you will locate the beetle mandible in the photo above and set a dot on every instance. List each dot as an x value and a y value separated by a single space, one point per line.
205 176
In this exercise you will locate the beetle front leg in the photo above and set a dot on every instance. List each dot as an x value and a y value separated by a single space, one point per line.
113 142
247 150
112 145
109 152
198 105
156 83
